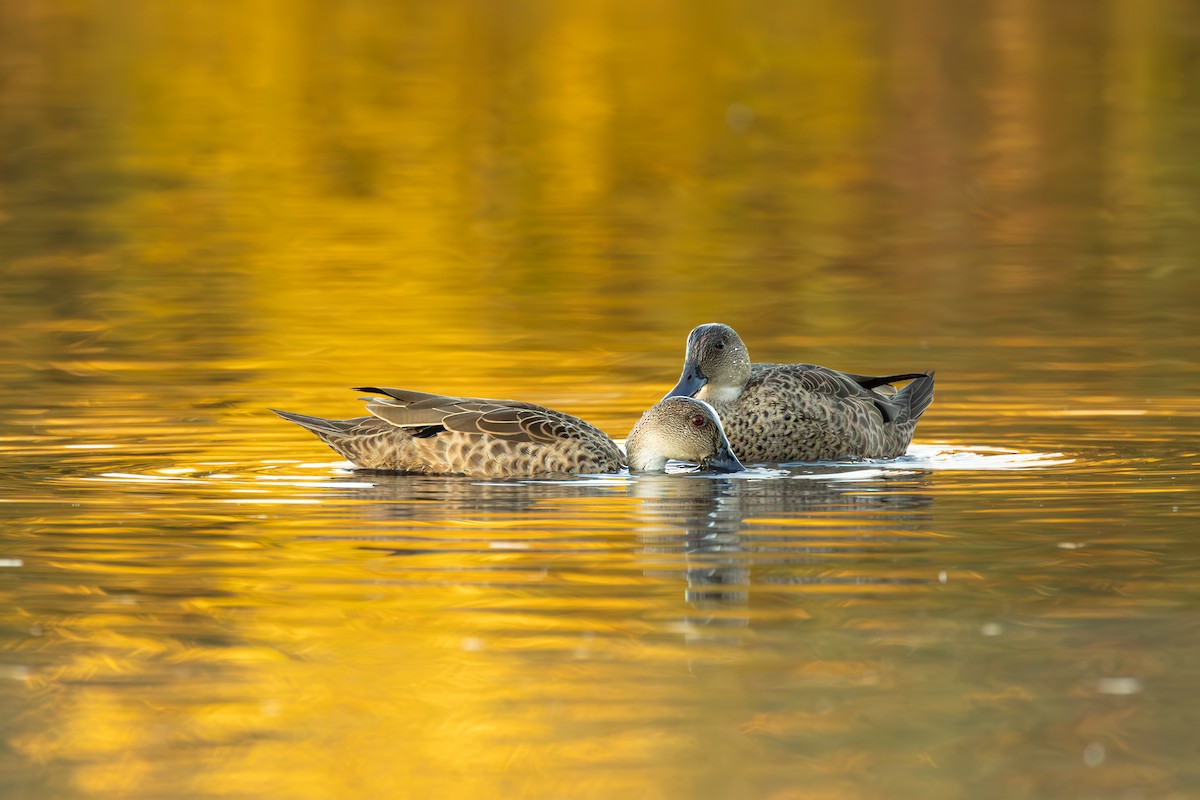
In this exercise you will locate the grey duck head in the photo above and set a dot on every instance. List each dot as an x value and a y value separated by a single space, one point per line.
716 365
683 429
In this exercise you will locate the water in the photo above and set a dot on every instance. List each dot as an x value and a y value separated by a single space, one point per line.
207 211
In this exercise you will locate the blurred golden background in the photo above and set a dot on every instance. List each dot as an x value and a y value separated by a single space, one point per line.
209 208
359 188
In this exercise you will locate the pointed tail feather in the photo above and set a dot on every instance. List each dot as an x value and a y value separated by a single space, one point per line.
870 382
914 398
315 424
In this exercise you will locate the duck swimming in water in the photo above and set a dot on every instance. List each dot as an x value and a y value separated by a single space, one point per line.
799 412
433 434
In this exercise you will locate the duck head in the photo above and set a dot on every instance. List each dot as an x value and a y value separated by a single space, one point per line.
716 365
683 429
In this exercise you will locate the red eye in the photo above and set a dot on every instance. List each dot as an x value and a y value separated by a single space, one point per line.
698 420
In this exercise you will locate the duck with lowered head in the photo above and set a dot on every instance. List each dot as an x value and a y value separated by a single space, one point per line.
432 434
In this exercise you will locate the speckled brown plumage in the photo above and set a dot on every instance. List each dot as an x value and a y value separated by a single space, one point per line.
799 412
432 434
803 412
438 435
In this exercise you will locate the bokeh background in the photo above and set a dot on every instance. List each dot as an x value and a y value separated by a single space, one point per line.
401 190
208 208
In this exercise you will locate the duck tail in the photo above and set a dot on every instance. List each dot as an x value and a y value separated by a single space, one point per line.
319 426
870 382
914 398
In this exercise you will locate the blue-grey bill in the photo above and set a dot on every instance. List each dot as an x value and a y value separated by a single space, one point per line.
724 461
690 382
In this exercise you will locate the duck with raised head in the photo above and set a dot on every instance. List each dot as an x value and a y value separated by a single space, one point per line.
433 434
799 412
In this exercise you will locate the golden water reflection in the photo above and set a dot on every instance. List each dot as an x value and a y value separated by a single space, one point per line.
206 210
544 638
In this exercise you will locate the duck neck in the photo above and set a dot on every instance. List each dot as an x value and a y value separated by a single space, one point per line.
718 396
644 455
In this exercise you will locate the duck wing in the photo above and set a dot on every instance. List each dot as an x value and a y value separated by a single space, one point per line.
870 382
512 420
826 381
838 385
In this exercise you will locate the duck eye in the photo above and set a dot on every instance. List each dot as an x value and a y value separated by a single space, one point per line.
698 420
720 345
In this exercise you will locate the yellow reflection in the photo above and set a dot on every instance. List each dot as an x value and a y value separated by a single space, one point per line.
209 208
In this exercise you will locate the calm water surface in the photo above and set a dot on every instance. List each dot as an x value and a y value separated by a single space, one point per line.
205 212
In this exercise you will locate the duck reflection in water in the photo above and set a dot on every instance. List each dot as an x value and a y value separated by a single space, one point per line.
431 434
726 536
739 534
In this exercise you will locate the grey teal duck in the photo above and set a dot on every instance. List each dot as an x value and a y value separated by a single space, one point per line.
433 434
799 412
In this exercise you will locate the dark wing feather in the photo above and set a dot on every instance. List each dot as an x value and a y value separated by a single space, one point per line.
545 427
406 416
519 423
407 397
494 421
828 381
869 382
505 419
831 383
913 399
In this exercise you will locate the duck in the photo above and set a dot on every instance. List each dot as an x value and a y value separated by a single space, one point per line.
778 413
434 434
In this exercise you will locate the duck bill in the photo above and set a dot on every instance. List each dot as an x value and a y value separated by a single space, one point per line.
724 461
691 381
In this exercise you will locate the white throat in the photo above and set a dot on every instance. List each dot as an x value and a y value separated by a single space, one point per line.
646 454
718 395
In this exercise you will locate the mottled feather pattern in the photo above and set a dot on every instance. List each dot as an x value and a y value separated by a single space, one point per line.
482 438
508 419
803 412
799 412
427 434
